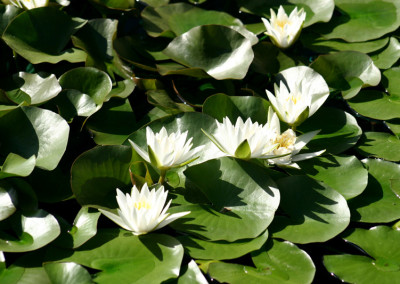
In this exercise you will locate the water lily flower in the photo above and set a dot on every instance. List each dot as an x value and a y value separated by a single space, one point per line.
300 94
245 140
167 151
282 29
143 211
289 145
29 4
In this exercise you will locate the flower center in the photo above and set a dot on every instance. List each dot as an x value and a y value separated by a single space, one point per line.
285 140
293 98
282 23
142 204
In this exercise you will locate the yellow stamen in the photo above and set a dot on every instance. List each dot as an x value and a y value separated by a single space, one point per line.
143 204
285 140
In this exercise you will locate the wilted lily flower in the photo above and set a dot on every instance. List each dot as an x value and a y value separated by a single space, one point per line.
29 4
300 94
167 151
245 140
282 29
289 145
142 211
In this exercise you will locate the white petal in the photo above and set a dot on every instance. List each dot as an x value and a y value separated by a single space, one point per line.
172 218
140 152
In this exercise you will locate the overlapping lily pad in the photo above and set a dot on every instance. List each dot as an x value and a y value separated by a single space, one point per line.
276 262
378 203
382 264
309 211
220 51
243 198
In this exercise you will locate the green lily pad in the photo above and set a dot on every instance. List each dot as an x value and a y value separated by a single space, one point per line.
45 130
7 13
220 106
317 11
15 165
347 71
84 226
345 174
201 249
67 272
378 203
192 275
29 35
320 44
125 258
120 5
336 135
379 145
277 262
97 173
8 200
388 56
243 198
363 20
391 82
30 232
220 51
312 211
113 123
90 81
31 89
383 266
376 104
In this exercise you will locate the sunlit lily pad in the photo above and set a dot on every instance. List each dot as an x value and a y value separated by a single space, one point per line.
310 211
378 203
29 35
277 262
220 51
30 232
381 266
363 20
243 198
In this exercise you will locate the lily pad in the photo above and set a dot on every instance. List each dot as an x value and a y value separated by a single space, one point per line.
336 135
378 203
347 71
15 165
277 262
8 200
363 20
381 266
202 249
125 258
30 232
376 104
220 106
192 275
243 198
45 130
67 272
312 211
379 145
84 226
220 51
345 174
29 35
388 56
97 173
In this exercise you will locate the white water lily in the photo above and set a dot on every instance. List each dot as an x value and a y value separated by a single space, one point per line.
284 29
289 145
143 211
167 151
29 4
245 140
300 94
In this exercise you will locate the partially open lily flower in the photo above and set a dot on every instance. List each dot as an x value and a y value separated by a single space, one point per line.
29 4
143 211
283 29
167 151
289 145
300 94
245 140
